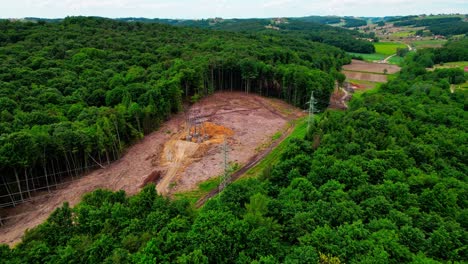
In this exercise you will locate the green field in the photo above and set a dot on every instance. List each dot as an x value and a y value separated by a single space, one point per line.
387 48
382 51
403 34
396 60
368 57
456 64
433 43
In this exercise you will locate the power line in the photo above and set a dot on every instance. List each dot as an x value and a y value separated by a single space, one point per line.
225 176
312 102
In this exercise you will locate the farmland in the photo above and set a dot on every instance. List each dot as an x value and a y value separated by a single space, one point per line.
387 48
382 51
431 43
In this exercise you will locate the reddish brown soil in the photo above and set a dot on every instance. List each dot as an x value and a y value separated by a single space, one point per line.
362 66
336 99
251 118
373 77
253 121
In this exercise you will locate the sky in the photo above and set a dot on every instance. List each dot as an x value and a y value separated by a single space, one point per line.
195 9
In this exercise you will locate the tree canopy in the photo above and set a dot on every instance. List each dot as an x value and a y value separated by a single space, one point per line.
386 183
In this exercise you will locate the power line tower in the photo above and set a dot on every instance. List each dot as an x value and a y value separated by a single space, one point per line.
312 102
225 178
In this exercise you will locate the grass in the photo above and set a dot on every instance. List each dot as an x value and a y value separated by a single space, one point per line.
387 48
463 87
456 64
433 43
274 156
382 51
358 94
396 60
367 84
205 187
403 34
368 57
276 136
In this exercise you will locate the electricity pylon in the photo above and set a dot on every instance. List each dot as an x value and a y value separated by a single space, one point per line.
311 103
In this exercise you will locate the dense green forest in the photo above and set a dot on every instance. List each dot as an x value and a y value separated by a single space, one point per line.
308 28
452 51
75 93
354 22
446 26
384 182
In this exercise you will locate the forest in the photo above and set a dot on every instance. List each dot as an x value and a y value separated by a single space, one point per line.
75 93
446 26
354 22
308 28
383 182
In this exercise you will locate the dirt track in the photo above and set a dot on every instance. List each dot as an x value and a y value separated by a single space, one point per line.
253 120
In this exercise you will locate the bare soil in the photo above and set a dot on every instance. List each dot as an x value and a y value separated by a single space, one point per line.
247 121
373 77
363 66
339 99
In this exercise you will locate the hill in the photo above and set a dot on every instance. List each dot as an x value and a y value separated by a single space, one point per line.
76 93
384 182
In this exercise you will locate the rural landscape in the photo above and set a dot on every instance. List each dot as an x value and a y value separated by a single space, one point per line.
315 139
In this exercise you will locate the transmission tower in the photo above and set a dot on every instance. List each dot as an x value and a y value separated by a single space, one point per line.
311 103
225 178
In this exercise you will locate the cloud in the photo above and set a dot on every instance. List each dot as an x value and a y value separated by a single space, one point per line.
277 3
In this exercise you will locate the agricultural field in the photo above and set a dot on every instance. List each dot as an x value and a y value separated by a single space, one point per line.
431 43
387 48
366 75
456 64
368 57
403 34
382 51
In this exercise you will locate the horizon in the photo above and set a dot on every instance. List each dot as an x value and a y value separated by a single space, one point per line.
181 18
204 9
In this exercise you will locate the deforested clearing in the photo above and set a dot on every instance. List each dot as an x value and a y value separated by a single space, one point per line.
182 165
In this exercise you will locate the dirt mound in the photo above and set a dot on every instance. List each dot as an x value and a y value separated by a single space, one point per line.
217 133
176 156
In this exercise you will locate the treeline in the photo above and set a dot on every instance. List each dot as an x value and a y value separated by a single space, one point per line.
345 39
334 36
354 22
320 19
74 94
384 182
446 26
450 29
452 51
424 22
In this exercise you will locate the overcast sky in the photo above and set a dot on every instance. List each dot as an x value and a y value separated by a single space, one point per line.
224 8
